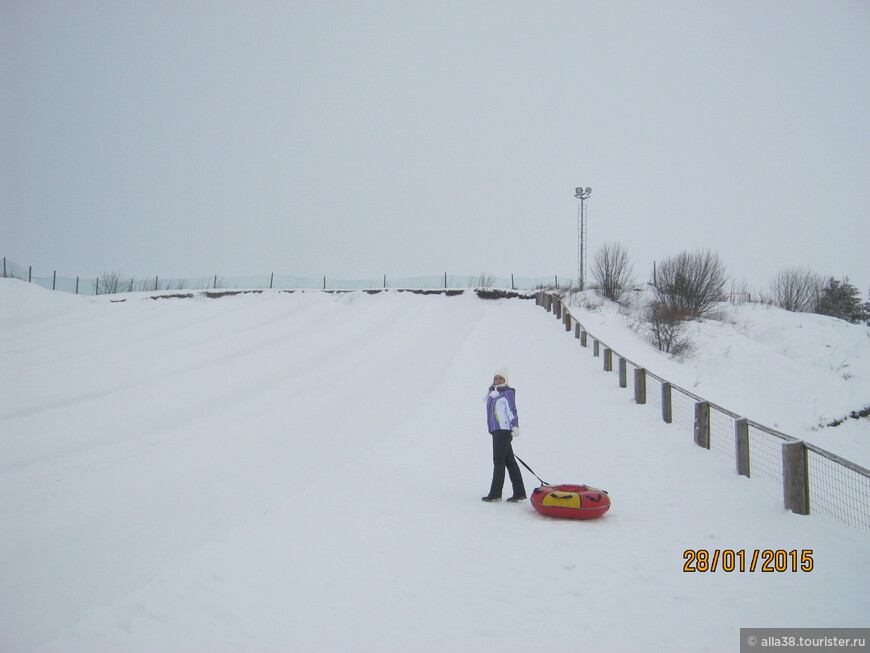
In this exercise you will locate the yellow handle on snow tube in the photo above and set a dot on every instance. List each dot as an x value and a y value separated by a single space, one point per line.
562 499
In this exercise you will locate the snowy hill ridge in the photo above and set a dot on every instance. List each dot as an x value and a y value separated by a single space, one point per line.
804 375
245 473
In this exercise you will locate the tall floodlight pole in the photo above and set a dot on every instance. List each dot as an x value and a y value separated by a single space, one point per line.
581 194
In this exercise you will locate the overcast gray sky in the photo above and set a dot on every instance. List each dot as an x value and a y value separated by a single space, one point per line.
362 138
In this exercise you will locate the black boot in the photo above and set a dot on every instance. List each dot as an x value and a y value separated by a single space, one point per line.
518 497
491 498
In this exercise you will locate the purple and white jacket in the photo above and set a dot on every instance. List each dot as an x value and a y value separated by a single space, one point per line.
501 409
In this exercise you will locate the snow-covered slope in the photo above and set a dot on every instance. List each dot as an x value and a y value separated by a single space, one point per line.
302 471
795 372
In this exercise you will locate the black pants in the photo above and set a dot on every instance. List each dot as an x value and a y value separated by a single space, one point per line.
503 457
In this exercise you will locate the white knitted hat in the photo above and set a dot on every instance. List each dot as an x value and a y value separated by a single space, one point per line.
503 372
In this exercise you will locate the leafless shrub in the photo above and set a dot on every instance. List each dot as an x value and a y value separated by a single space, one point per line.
612 271
691 283
482 281
797 289
110 283
666 328
175 284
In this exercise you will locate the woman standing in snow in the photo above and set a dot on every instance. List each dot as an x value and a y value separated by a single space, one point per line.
501 416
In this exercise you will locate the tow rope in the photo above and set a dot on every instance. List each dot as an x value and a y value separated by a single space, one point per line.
543 482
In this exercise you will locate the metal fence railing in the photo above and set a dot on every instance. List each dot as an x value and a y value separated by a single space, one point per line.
112 283
814 481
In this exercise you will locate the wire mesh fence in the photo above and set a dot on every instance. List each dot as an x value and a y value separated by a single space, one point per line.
112 283
682 409
722 433
654 394
765 454
838 488
834 487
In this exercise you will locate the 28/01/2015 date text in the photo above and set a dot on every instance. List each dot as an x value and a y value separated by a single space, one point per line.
763 560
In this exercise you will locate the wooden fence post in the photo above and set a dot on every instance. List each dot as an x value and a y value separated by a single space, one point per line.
623 373
77 285
702 424
741 445
596 347
608 359
54 280
640 386
667 405
566 318
557 308
577 330
795 479
583 338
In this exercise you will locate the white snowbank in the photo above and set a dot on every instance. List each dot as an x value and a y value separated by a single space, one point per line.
795 372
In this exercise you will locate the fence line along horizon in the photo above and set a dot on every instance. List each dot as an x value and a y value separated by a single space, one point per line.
113 283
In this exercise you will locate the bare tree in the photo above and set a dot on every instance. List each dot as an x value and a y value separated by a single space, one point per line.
109 283
612 271
797 289
690 283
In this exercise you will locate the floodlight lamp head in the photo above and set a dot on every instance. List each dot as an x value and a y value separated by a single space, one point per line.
581 194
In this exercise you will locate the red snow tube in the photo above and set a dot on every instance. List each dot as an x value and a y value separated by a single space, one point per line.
571 501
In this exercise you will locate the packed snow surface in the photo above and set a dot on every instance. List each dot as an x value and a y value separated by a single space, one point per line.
303 472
